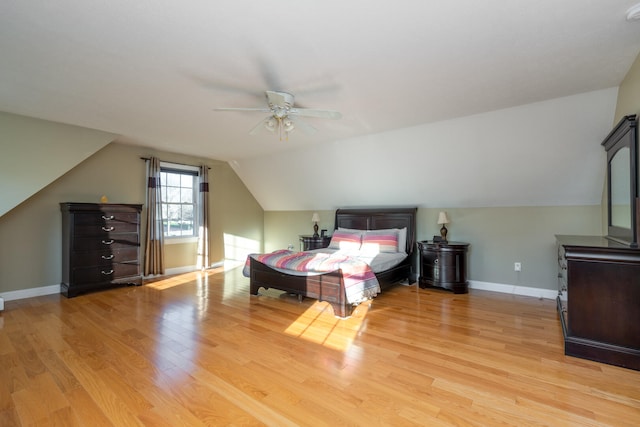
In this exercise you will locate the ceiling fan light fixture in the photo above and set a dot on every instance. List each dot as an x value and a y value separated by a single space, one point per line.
288 125
284 117
271 124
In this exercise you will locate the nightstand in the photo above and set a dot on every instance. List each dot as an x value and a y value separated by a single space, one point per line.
444 265
309 242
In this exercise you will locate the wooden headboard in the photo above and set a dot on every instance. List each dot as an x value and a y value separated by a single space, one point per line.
376 219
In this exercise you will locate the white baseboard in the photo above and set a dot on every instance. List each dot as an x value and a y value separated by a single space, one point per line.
190 268
30 293
180 270
1 304
513 289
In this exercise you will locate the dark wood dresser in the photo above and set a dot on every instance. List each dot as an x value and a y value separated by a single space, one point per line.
444 265
599 299
100 246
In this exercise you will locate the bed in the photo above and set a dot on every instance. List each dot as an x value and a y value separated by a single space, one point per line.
330 286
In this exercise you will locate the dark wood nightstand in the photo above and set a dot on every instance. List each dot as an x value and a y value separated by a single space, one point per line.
309 242
444 265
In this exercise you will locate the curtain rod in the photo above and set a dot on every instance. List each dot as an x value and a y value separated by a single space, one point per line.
183 164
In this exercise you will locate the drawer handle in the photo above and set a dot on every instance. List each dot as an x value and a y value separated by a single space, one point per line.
108 228
108 242
107 218
107 273
108 257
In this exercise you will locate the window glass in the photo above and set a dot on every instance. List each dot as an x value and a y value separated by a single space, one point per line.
178 203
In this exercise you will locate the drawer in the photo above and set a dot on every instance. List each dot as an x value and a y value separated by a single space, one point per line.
100 228
108 242
113 227
99 223
98 274
429 258
106 217
105 257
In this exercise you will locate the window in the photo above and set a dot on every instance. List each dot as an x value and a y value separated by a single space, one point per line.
179 202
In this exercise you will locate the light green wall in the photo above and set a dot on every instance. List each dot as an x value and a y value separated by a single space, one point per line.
31 233
284 228
498 237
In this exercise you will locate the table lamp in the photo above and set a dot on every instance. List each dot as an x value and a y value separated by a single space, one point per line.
442 220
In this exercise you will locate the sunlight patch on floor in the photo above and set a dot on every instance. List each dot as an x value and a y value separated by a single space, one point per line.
181 279
319 325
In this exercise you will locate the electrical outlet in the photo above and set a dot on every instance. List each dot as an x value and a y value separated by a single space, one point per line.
517 266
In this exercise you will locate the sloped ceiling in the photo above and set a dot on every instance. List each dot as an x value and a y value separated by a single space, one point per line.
541 154
398 71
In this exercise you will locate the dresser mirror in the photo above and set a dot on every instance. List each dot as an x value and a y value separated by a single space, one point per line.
621 146
620 165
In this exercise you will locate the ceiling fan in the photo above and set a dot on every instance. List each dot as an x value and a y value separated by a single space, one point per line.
283 116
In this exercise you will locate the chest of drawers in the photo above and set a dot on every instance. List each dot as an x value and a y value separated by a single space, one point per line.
100 246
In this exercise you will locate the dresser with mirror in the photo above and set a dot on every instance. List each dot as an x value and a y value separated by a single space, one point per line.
599 276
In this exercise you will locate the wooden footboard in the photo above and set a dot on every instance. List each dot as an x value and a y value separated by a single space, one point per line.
327 287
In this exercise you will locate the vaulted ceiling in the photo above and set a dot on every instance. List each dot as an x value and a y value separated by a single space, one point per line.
399 72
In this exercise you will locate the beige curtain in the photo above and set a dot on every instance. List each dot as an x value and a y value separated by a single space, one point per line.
154 243
203 261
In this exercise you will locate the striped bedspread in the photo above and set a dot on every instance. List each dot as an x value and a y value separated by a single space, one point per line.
359 280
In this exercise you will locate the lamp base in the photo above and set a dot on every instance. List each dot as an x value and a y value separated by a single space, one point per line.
315 230
443 233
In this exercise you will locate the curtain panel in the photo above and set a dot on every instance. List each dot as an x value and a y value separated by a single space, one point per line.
154 242
203 260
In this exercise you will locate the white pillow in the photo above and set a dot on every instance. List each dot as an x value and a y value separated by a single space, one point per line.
402 239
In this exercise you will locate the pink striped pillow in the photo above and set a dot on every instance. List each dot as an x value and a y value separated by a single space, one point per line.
381 241
345 240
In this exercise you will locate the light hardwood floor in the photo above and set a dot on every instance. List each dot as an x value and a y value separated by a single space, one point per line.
197 349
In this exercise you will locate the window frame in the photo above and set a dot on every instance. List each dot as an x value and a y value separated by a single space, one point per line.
182 170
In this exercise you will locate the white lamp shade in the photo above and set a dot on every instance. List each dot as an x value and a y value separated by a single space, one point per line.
443 218
315 217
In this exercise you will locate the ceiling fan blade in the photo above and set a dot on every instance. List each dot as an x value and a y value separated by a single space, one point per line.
323 114
305 127
260 109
